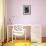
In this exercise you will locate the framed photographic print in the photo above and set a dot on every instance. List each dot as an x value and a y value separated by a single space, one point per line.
27 9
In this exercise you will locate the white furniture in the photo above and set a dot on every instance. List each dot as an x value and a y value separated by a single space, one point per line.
36 33
19 30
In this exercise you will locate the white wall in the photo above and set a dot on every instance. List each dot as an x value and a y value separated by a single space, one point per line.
38 12
1 20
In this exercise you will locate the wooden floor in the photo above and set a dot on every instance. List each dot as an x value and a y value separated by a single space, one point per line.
23 43
18 43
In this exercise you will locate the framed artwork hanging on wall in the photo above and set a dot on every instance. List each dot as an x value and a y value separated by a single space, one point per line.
27 9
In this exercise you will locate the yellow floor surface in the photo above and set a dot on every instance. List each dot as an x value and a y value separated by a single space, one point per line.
18 43
23 43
